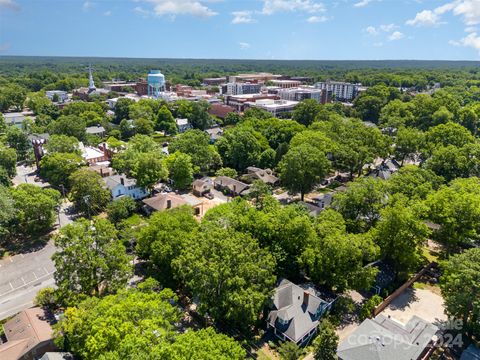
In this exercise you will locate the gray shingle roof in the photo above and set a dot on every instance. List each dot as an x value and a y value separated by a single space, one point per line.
383 338
115 180
295 310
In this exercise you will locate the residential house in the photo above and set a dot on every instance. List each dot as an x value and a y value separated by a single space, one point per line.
166 201
93 155
201 187
254 173
232 186
121 185
382 337
214 133
96 130
17 118
296 312
312 209
29 335
385 170
101 169
323 200
183 125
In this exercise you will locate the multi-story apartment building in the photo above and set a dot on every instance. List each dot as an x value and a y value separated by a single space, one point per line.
238 88
341 91
299 94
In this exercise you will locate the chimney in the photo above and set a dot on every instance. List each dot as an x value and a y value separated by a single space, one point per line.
169 204
122 181
234 188
101 172
306 296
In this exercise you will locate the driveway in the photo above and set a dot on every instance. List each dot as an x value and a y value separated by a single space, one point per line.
421 302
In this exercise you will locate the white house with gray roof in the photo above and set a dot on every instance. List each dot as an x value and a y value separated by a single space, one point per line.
120 185
296 312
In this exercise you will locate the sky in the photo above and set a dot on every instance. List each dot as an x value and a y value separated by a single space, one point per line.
243 29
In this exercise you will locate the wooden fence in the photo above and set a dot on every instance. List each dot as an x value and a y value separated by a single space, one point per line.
401 289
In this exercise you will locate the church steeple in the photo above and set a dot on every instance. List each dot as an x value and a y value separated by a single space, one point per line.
91 84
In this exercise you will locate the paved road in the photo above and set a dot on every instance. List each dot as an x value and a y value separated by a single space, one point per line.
22 276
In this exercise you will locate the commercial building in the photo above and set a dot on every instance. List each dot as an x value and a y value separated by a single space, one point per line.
274 107
256 77
241 88
300 94
238 102
156 83
215 81
341 91
286 84
61 96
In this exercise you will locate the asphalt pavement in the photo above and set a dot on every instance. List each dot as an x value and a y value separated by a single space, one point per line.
23 275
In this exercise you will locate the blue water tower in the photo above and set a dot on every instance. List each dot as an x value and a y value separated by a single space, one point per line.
156 83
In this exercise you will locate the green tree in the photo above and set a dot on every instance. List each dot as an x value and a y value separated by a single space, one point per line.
8 160
165 121
225 171
129 325
37 102
241 147
7 211
164 237
199 117
205 344
414 182
47 298
302 168
326 343
289 351
368 306
122 109
449 162
34 209
58 167
180 170
361 203
88 192
69 125
18 140
12 96
196 143
232 118
335 258
229 273
401 233
62 144
460 285
456 208
94 244
306 111
408 143
149 169
121 209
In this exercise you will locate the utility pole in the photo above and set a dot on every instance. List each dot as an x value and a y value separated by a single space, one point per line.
86 199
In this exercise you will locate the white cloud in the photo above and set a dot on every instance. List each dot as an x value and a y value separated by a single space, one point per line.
142 12
107 13
396 35
468 9
242 17
470 29
362 3
425 18
244 45
87 5
471 40
181 7
309 6
371 30
317 19
388 27
9 4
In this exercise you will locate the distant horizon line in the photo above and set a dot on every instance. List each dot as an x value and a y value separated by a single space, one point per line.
237 59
